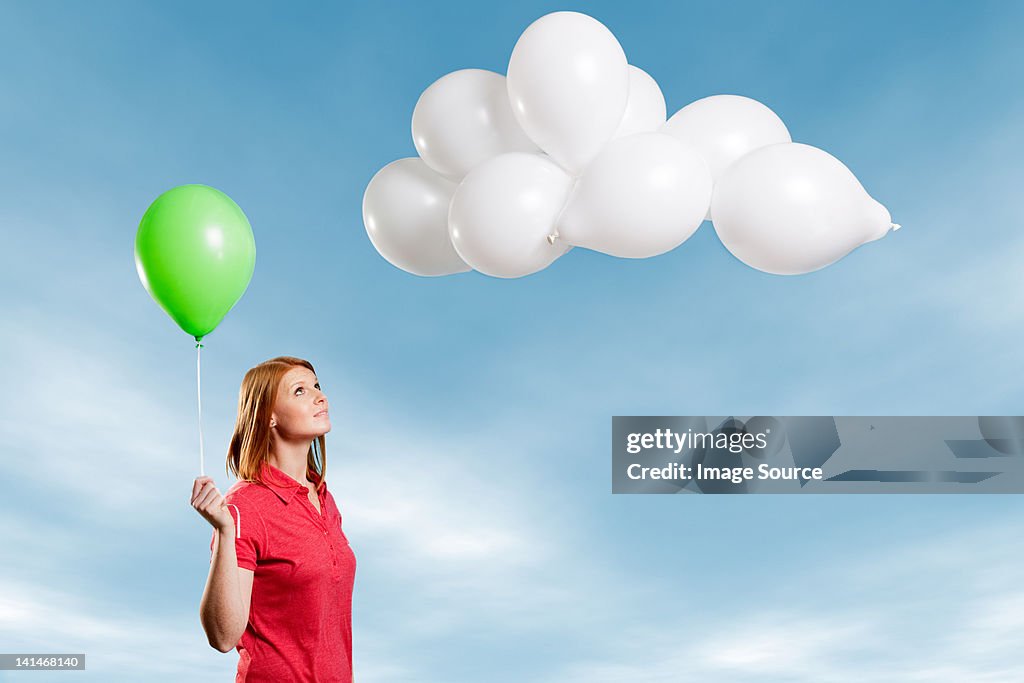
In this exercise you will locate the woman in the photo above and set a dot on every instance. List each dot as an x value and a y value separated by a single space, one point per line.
281 569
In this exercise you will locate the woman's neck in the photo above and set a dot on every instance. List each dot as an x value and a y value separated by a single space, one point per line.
290 458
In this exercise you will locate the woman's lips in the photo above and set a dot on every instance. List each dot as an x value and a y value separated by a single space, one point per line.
322 413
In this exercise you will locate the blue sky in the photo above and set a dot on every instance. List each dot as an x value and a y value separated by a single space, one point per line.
472 416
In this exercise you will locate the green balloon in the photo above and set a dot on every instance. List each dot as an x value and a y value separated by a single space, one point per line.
195 253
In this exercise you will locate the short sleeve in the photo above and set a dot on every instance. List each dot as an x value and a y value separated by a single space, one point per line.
250 533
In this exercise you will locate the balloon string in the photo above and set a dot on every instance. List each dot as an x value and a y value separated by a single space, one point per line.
199 400
238 527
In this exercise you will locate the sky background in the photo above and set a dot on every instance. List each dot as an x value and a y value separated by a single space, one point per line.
470 450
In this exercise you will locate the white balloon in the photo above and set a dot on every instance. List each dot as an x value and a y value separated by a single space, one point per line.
791 208
645 107
464 119
405 211
645 194
504 210
568 83
725 127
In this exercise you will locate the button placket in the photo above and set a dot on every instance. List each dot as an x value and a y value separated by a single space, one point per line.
318 517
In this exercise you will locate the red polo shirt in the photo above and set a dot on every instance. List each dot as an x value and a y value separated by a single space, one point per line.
300 617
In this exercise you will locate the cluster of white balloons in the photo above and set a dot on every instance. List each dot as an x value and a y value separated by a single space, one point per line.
572 148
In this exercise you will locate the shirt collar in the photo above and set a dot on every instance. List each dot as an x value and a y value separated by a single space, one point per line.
280 483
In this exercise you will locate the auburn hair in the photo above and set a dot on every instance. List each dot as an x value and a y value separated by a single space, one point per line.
250 442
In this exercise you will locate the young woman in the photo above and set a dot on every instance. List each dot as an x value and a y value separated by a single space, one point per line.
281 569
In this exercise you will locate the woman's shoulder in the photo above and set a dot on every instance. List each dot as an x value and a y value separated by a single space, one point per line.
247 492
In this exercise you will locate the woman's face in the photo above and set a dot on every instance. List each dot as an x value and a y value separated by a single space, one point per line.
301 408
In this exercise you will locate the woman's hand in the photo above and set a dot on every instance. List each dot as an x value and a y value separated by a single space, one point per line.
208 502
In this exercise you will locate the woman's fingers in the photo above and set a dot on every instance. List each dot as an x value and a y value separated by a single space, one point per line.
197 485
203 495
208 498
209 502
207 485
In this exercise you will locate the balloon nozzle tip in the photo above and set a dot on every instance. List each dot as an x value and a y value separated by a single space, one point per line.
552 237
895 226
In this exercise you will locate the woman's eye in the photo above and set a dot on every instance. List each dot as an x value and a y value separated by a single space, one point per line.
298 390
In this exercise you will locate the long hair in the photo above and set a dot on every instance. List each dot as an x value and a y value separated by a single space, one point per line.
250 442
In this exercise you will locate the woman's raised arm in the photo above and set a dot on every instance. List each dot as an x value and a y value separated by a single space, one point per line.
224 608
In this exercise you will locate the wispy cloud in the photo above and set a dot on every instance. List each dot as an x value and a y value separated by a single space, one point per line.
458 523
119 643
944 610
82 426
